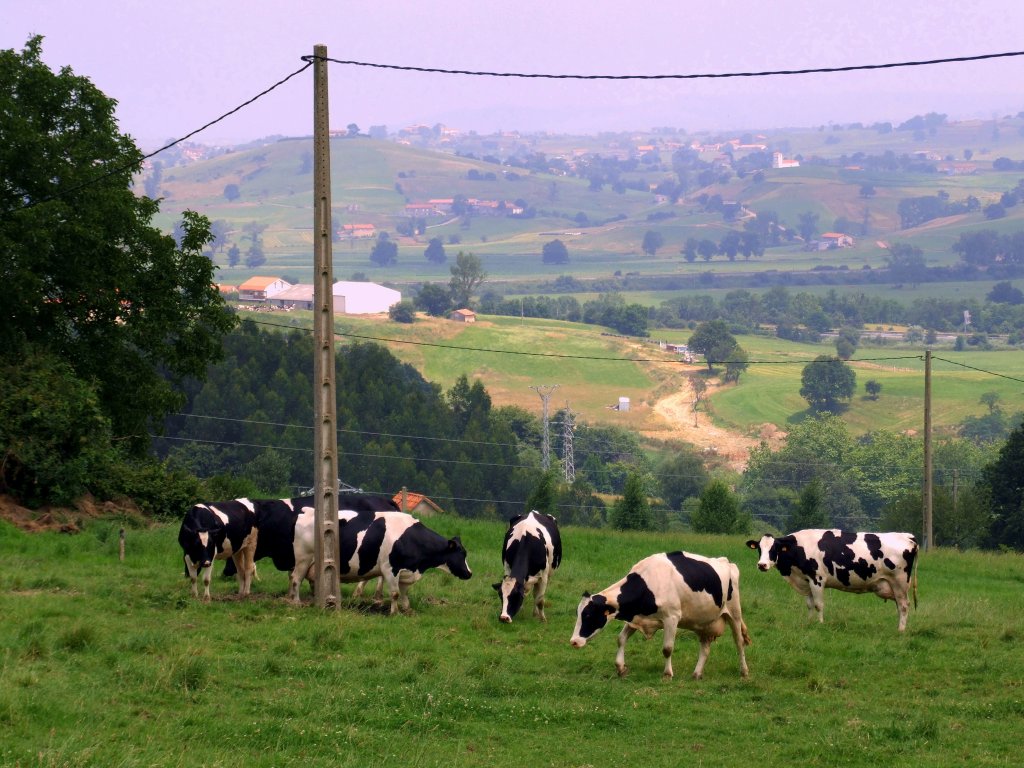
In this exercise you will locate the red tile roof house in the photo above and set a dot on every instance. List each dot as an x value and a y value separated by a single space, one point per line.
416 504
463 316
261 288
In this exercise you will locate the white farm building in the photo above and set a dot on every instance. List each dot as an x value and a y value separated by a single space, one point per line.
357 298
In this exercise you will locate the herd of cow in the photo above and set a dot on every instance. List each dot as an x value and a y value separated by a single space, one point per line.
665 591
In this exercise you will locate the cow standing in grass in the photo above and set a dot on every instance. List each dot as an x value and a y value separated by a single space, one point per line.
216 531
668 591
531 551
814 560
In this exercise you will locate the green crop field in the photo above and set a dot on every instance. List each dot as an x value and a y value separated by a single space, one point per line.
110 663
510 354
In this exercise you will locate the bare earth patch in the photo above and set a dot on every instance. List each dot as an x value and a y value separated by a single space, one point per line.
65 519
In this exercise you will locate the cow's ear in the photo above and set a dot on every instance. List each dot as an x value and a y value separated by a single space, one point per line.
454 544
497 587
752 544
608 611
586 594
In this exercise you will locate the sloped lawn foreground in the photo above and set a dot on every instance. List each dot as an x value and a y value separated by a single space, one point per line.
110 663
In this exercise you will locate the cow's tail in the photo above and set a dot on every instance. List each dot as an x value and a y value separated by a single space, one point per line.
913 584
743 631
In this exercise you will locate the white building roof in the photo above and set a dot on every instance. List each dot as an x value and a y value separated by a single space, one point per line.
365 298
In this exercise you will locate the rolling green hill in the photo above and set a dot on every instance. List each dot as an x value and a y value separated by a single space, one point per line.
603 229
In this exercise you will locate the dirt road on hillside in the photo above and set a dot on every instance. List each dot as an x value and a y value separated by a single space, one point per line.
675 412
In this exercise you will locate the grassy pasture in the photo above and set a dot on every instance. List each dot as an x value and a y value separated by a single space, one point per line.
769 391
108 663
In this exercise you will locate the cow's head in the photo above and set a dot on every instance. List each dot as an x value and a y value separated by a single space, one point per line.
769 548
455 559
512 593
200 545
591 616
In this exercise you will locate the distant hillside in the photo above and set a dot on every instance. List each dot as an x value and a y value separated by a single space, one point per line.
600 196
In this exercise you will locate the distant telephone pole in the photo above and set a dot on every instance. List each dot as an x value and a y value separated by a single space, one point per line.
327 588
927 527
545 390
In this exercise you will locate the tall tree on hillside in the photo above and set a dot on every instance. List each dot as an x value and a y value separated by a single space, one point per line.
653 240
554 252
467 275
88 277
713 340
1002 481
435 252
827 382
385 251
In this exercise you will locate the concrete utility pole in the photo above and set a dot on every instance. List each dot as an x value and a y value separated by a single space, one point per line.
545 391
325 428
927 527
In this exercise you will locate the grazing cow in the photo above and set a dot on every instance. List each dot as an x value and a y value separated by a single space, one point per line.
668 591
285 526
216 531
532 550
392 545
815 560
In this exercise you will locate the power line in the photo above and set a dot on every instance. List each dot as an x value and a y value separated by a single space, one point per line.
979 370
131 167
691 76
562 356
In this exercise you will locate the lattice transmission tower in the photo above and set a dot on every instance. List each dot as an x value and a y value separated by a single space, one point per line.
567 427
545 390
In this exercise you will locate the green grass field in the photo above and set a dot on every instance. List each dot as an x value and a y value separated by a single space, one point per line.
109 663
509 355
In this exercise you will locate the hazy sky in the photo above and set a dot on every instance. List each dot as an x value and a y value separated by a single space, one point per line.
174 66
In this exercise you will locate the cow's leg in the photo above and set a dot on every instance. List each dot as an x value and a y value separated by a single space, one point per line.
357 592
538 598
668 644
207 574
739 634
193 575
702 656
816 603
378 593
395 590
620 655
899 594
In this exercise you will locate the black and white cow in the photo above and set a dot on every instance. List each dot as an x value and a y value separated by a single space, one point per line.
285 526
216 531
814 560
668 591
392 545
531 551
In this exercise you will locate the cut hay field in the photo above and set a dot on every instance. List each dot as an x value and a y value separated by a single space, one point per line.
109 663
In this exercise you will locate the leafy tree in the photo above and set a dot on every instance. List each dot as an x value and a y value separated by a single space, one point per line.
653 240
544 496
385 251
1005 293
555 252
234 256
713 340
990 400
89 279
681 475
872 387
735 364
809 511
435 251
633 511
844 349
826 382
467 275
719 511
807 225
434 299
906 263
689 249
707 248
403 311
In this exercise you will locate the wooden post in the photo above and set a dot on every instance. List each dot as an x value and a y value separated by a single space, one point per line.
927 527
120 546
325 431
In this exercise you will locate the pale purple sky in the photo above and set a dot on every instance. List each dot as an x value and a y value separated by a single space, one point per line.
173 67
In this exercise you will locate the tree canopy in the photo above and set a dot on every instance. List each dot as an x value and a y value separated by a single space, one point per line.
827 382
713 340
88 278
554 252
467 275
